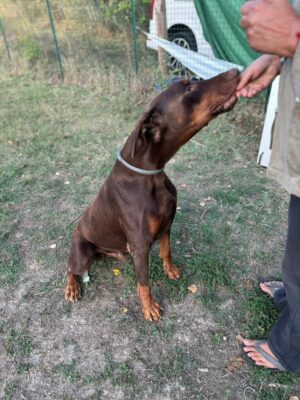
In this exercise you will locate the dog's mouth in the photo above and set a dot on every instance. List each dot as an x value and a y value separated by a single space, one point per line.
227 105
230 99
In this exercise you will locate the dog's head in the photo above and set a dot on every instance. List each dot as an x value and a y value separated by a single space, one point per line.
182 110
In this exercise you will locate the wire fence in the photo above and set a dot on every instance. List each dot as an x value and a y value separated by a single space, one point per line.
70 38
73 39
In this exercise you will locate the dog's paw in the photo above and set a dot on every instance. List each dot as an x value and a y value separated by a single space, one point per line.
172 271
73 291
152 312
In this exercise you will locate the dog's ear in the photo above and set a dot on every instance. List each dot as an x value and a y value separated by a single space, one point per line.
148 129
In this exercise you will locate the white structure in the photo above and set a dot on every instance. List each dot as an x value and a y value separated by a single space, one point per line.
264 153
201 65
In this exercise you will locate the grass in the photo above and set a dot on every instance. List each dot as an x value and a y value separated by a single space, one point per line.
57 145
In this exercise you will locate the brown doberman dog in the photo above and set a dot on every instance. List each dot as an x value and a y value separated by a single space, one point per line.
137 203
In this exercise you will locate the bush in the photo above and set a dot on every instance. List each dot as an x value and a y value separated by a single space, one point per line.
30 50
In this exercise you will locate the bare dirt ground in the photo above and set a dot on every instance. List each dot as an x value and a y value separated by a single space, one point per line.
93 350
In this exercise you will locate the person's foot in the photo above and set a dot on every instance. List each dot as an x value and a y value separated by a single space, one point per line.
271 287
261 354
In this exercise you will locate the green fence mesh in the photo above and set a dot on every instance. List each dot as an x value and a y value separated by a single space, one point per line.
221 27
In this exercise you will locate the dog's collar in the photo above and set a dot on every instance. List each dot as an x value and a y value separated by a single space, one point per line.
138 170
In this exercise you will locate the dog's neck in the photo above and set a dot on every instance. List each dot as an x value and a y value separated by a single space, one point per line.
136 169
154 156
150 158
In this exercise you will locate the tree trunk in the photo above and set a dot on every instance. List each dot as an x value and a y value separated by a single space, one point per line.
160 12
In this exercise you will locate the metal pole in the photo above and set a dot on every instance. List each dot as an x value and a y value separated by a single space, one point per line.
5 40
96 4
55 38
134 33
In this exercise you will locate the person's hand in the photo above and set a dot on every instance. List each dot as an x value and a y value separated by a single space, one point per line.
271 26
258 76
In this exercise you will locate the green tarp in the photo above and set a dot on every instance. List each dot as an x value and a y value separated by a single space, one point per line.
220 21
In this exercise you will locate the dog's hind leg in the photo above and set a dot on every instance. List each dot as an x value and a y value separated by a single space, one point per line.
81 256
170 269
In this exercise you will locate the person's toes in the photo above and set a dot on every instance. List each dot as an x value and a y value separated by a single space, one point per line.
265 288
260 363
249 342
264 363
270 287
255 355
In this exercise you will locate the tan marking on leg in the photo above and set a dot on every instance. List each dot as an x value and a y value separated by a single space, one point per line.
170 269
150 307
154 225
73 288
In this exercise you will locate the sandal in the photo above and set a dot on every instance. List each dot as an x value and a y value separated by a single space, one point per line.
274 286
278 367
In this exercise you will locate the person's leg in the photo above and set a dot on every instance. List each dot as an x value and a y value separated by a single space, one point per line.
284 340
280 300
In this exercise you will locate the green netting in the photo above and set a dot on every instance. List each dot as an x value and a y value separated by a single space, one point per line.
220 20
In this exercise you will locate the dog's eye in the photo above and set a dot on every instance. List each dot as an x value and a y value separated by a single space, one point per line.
185 82
190 88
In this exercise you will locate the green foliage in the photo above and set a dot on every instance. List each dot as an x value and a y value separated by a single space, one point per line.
10 390
30 50
118 12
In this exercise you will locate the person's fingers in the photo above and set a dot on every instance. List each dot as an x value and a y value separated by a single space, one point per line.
243 93
246 76
250 90
247 7
244 22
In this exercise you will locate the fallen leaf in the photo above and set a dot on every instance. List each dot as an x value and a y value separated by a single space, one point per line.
193 288
117 271
235 364
247 284
239 338
52 246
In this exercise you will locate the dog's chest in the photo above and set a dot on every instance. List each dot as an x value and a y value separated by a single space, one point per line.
164 208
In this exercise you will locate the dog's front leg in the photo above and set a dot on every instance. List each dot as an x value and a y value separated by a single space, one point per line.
150 307
170 269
